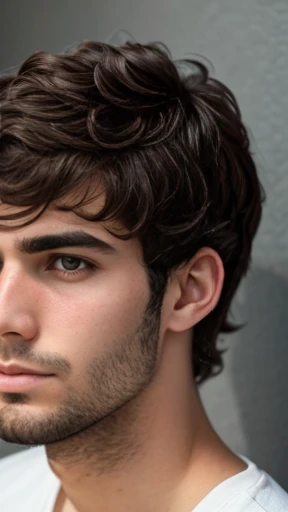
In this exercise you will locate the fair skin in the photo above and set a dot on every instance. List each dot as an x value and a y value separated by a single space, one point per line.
120 416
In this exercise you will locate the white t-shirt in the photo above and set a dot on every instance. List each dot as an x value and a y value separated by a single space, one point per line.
27 484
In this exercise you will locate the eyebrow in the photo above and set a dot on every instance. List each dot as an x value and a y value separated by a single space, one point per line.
69 239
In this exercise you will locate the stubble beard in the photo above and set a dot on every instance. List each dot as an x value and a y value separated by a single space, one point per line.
106 413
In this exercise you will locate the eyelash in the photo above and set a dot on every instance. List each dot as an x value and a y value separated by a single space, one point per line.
71 273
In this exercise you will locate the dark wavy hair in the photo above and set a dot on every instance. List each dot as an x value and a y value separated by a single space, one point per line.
168 144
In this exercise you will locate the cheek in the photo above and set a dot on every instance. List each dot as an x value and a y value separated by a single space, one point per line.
94 314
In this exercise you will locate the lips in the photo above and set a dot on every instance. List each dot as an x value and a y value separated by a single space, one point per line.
20 379
14 369
15 378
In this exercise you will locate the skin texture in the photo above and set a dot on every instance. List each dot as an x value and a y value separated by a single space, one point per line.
121 418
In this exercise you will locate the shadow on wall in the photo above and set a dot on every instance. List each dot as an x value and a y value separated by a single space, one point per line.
260 390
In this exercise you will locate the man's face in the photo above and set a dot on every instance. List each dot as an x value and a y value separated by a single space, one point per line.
78 314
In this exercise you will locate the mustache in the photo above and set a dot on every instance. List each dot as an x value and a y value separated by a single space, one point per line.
21 352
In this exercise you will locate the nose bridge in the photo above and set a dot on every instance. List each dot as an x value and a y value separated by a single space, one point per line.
11 281
16 307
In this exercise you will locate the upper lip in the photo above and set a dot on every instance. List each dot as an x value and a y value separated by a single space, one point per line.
15 369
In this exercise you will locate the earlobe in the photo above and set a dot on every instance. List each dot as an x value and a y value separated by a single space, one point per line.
200 283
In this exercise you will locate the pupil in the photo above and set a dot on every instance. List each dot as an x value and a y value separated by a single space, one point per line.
70 263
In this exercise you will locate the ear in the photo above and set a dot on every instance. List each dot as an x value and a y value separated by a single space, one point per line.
197 288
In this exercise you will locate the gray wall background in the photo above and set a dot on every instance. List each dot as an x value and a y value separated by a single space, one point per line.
247 42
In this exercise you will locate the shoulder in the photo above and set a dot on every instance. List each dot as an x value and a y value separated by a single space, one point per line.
267 495
251 490
264 495
13 465
26 479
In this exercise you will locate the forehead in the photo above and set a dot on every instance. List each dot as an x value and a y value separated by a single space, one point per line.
54 221
90 196
94 199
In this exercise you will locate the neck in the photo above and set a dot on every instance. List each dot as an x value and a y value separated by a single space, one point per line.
152 454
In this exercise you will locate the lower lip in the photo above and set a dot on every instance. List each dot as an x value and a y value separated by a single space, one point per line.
20 381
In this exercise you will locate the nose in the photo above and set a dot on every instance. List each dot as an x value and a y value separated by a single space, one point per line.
17 308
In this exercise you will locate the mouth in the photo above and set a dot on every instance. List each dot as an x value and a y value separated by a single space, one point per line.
21 381
13 369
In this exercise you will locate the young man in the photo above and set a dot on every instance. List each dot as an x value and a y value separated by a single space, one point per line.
129 202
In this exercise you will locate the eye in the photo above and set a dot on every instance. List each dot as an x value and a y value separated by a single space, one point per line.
70 266
69 263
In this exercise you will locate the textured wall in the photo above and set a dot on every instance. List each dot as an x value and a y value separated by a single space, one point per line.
247 43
